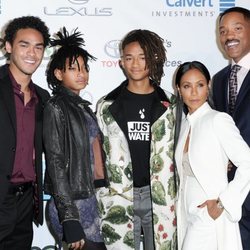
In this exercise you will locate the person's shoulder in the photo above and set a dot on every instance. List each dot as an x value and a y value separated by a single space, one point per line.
55 104
166 95
103 102
171 96
4 71
41 91
113 94
56 100
221 119
222 71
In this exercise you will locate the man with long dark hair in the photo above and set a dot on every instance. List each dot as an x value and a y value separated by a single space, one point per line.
137 119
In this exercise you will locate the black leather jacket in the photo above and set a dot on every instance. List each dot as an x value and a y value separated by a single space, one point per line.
68 175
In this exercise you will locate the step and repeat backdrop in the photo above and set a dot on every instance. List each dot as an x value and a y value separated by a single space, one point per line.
188 27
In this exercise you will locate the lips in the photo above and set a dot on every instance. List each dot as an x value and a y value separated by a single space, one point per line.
232 43
193 101
81 82
30 61
136 71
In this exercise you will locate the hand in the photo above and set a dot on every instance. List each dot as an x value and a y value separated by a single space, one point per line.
78 245
213 210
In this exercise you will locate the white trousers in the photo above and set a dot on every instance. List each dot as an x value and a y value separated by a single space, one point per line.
200 230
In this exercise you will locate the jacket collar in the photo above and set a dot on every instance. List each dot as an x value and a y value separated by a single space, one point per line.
113 95
74 97
204 108
117 108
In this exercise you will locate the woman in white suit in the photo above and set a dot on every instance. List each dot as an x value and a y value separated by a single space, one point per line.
208 207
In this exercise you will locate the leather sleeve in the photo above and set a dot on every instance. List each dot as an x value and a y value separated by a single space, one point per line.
57 161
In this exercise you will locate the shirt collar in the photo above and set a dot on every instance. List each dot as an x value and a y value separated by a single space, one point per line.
17 87
244 62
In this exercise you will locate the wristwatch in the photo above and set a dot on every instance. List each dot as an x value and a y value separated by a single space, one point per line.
219 204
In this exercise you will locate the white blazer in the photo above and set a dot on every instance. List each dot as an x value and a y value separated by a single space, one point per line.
214 139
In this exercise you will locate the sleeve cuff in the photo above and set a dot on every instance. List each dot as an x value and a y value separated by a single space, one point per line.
72 231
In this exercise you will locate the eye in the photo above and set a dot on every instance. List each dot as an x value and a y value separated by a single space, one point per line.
222 32
185 86
40 47
24 45
128 58
72 68
238 28
201 85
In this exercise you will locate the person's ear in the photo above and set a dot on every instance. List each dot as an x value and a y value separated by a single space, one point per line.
209 86
121 63
178 89
58 74
8 47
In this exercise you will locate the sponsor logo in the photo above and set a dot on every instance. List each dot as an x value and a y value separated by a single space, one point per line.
186 9
111 49
79 8
226 4
189 3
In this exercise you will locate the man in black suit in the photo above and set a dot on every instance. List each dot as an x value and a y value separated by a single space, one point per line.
234 34
21 112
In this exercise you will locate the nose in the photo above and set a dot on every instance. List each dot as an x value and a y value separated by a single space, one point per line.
31 50
194 91
230 34
82 71
135 61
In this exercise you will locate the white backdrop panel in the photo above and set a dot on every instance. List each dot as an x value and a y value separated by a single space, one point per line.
188 28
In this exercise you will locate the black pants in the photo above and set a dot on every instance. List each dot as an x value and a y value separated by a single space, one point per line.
16 213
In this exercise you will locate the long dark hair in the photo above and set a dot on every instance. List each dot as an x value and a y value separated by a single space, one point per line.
180 106
70 47
154 50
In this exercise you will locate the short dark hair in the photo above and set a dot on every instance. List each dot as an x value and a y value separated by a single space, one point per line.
243 11
154 50
70 47
26 22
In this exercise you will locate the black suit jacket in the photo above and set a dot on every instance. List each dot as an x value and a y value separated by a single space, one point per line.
8 138
241 113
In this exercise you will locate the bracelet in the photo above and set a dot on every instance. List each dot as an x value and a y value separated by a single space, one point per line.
219 204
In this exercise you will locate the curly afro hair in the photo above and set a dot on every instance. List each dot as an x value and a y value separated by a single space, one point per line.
26 22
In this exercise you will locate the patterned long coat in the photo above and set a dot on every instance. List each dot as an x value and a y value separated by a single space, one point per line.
116 201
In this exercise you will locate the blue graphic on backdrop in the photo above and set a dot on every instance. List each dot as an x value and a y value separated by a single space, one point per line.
189 3
226 4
